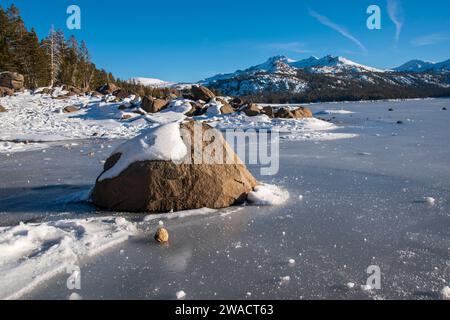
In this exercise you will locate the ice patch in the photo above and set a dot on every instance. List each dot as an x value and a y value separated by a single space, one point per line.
332 112
161 143
268 195
13 147
30 254
180 214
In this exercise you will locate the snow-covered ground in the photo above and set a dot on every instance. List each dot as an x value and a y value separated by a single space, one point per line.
352 203
39 118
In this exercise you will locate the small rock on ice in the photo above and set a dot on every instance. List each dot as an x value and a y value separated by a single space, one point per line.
75 296
431 201
181 295
366 287
446 293
291 261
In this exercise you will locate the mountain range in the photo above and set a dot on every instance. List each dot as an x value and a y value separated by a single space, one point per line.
281 79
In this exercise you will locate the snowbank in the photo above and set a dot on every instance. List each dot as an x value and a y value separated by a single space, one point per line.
161 143
268 195
30 254
40 118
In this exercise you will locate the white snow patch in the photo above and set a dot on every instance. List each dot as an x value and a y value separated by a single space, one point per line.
13 147
181 295
350 285
75 296
430 200
446 293
30 254
161 143
331 112
268 195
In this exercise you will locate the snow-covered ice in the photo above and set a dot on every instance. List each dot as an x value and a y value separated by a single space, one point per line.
34 252
356 211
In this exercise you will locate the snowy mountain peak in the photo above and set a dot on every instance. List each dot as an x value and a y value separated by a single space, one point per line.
423 66
150 82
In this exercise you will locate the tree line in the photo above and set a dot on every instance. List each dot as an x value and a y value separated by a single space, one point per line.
54 60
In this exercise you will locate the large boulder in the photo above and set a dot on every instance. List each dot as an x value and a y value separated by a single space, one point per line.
201 93
12 80
2 109
4 91
152 105
132 184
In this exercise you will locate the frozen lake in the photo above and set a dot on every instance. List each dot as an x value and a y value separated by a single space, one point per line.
354 203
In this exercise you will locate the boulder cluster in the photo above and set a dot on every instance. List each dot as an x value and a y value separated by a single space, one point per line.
200 100
10 82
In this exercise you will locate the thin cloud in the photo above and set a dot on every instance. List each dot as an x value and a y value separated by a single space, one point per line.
395 12
327 22
430 39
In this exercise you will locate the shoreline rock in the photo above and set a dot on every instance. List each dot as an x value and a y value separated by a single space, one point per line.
163 186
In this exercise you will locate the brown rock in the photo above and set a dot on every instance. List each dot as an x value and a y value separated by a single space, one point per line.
96 94
197 109
108 88
284 113
2 109
12 80
6 92
237 102
123 93
201 93
252 110
268 111
226 108
126 116
162 235
162 186
151 105
302 112
74 90
70 109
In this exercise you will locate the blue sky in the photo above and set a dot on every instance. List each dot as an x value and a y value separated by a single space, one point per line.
190 40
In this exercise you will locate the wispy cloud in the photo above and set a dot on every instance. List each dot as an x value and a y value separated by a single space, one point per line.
343 31
395 12
293 46
430 39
